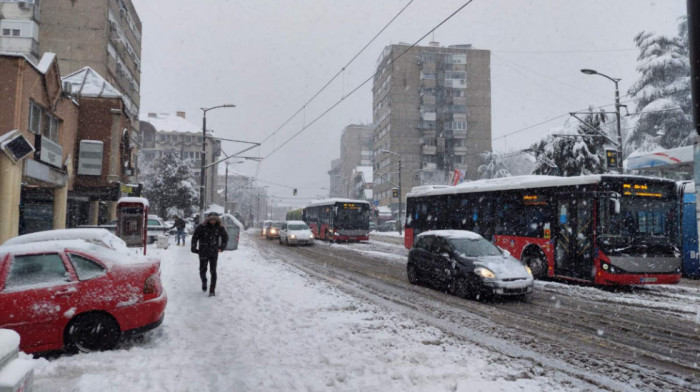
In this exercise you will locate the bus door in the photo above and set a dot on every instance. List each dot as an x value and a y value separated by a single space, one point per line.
574 250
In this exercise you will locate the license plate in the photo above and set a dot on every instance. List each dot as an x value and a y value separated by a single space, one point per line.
648 280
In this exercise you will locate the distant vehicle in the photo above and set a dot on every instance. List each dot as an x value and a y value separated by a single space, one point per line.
273 230
602 229
233 230
296 232
388 226
265 227
689 231
155 227
467 265
372 226
100 237
337 220
76 296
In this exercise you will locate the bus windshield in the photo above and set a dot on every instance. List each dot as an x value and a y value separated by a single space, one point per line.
640 223
355 217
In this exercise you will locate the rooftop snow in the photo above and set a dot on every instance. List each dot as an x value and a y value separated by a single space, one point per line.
165 122
87 82
509 183
335 200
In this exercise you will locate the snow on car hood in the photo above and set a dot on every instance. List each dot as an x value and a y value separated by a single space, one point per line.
505 267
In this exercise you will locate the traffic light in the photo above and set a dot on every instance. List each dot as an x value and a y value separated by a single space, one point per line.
395 192
294 192
611 159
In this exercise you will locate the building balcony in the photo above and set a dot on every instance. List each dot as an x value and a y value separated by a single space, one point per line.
459 150
429 150
459 134
26 45
430 133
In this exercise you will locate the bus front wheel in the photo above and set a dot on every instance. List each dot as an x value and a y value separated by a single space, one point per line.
538 265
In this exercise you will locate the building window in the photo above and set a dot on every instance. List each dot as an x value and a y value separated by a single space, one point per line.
5 31
15 32
188 139
35 118
199 139
162 138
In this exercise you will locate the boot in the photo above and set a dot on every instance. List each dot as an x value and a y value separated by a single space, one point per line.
204 286
211 293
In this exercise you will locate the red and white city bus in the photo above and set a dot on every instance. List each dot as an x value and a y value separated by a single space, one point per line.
338 219
603 229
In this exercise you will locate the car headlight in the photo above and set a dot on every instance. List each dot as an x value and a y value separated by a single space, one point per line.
311 236
529 271
292 236
273 231
485 273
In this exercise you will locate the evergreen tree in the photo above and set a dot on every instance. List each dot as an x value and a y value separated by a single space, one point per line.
493 167
662 93
580 151
169 186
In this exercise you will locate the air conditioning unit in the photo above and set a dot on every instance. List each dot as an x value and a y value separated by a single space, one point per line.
67 88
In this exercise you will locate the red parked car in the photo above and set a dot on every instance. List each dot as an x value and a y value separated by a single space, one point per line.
77 296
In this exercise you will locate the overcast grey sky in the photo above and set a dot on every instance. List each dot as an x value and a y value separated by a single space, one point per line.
269 57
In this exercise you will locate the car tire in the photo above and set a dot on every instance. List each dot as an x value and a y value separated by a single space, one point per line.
280 240
287 240
91 332
412 273
538 265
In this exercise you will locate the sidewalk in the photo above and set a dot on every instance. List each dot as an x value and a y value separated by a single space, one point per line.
390 237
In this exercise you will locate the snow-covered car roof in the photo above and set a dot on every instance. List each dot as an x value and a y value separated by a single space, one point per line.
107 255
452 234
296 222
97 236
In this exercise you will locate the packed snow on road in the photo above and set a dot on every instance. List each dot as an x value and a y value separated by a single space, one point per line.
271 327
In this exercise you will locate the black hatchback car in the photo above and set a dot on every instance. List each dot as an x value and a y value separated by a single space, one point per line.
467 265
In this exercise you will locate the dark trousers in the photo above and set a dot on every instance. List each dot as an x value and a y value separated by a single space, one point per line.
203 261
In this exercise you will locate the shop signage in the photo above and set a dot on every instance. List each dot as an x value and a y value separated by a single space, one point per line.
130 190
90 157
38 171
49 151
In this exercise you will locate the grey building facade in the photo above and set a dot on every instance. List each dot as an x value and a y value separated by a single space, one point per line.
356 144
431 107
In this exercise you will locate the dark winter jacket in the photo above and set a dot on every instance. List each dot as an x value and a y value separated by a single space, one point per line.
180 224
208 239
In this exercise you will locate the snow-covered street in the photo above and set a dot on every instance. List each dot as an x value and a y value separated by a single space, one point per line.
273 328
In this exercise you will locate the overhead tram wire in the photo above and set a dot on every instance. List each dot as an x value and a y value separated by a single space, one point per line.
353 91
337 74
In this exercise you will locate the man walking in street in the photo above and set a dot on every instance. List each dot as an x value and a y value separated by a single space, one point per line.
180 226
209 239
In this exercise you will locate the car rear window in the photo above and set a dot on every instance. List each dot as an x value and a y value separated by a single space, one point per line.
36 269
85 268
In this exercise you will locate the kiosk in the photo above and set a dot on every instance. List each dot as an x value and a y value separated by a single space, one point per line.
132 214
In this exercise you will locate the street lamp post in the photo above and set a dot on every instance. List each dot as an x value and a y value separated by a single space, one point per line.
400 209
202 192
617 112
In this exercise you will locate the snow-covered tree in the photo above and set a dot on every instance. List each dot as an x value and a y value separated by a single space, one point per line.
577 149
662 93
493 167
169 185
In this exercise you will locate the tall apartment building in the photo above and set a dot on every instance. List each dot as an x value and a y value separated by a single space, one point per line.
19 27
355 150
432 107
163 132
104 35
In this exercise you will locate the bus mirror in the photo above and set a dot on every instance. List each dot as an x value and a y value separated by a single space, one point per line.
614 206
